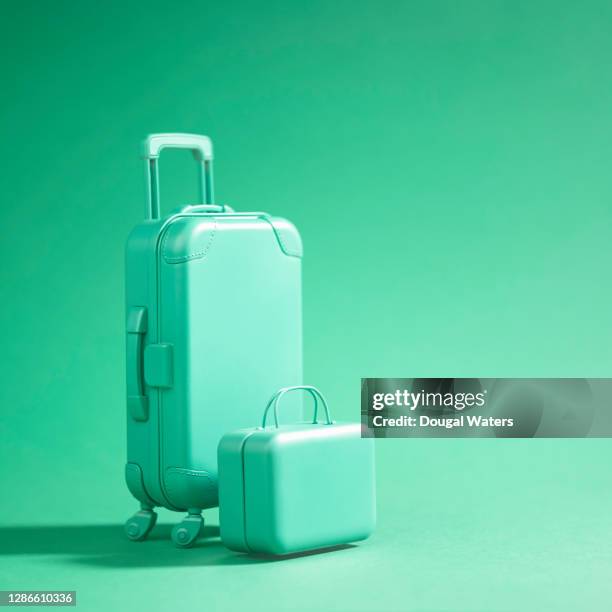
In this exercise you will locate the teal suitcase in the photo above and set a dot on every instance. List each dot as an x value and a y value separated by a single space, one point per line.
292 488
213 322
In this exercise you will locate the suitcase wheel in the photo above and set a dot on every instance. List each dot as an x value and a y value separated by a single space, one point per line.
187 531
138 527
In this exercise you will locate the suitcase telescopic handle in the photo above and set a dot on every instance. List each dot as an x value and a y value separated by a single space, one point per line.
313 391
202 149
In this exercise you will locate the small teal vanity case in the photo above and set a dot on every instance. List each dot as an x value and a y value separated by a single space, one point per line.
296 487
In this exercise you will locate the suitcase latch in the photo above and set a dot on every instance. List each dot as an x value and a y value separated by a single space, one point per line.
158 370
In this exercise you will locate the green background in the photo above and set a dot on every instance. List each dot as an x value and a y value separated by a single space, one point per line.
448 165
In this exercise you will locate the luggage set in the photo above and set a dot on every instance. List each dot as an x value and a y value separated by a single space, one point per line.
214 340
